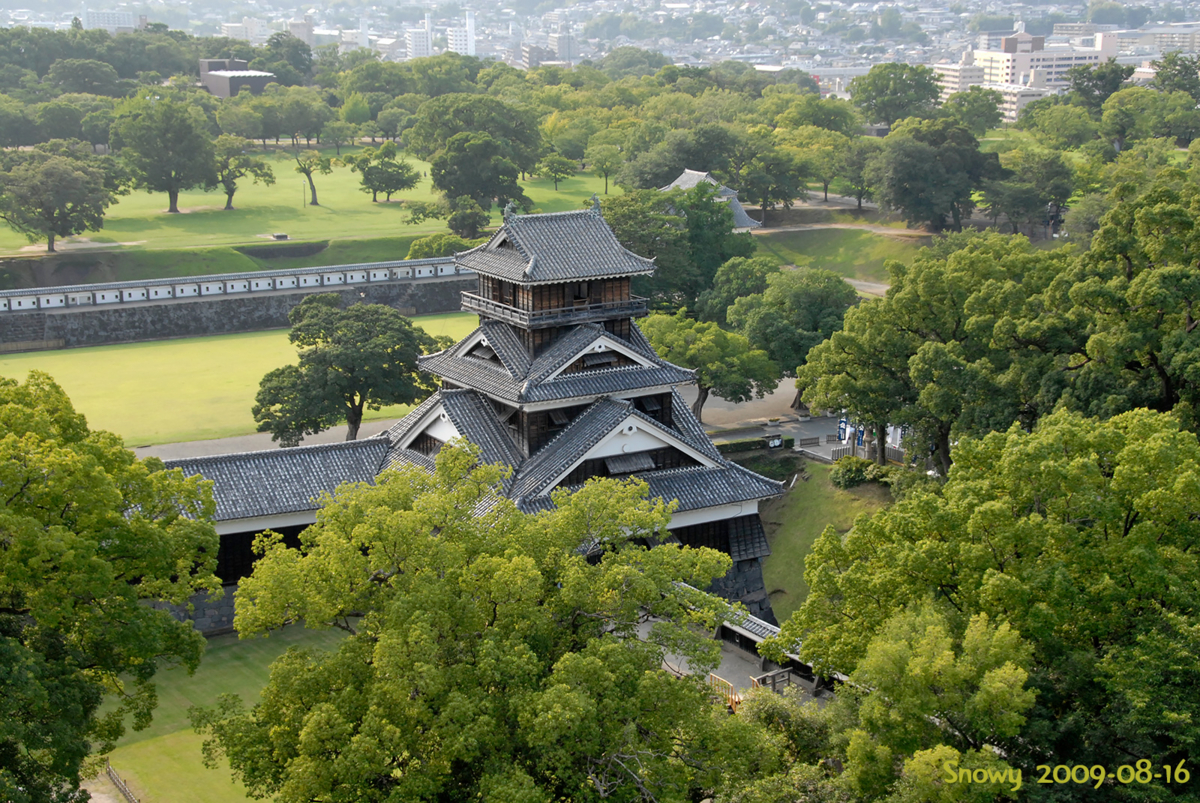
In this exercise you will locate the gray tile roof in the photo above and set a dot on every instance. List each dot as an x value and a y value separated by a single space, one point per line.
475 418
555 247
747 539
695 487
278 481
585 431
456 366
508 347
690 179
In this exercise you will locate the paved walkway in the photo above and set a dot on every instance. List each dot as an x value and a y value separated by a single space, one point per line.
718 414
888 230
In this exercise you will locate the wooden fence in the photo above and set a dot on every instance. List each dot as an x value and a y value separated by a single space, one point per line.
122 787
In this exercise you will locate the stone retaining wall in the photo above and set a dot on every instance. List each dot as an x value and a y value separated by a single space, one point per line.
215 315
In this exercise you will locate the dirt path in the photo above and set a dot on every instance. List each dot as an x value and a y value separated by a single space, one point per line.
863 226
869 288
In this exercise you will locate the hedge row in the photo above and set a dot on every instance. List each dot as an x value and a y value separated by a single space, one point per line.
750 445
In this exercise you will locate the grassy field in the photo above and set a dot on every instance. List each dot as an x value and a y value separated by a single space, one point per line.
163 763
851 253
139 221
186 389
793 523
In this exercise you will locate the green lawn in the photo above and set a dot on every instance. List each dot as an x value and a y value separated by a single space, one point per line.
139 221
186 389
851 253
794 522
163 762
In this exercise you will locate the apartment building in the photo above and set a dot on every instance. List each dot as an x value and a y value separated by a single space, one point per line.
1022 55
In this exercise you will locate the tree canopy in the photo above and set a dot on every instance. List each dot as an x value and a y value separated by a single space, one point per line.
487 657
166 145
1062 558
90 534
352 359
894 91
725 363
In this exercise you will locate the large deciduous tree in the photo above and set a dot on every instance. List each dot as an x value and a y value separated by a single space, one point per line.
351 360
736 278
310 163
929 169
476 166
1076 543
235 161
383 171
90 534
894 91
1093 84
797 310
441 119
58 189
166 144
977 108
488 658
725 362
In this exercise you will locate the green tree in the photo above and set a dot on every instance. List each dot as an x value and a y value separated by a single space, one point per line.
605 160
928 356
1093 84
466 218
476 166
735 278
978 109
894 91
58 120
437 245
87 76
1175 72
234 162
831 114
355 110
91 534
351 360
928 170
725 363
51 192
494 661
440 120
774 178
1061 127
1076 536
166 144
383 171
338 133
818 149
797 310
240 121
309 163
852 170
557 168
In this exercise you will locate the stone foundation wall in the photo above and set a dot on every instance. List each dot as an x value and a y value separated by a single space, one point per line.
215 315
211 617
744 583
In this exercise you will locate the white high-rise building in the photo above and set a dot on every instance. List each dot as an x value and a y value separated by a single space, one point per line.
462 40
420 41
111 21
303 30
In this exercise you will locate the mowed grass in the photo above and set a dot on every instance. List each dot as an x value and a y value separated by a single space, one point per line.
850 253
345 212
793 523
187 389
163 763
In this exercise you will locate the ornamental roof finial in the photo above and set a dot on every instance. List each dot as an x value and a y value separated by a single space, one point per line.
510 209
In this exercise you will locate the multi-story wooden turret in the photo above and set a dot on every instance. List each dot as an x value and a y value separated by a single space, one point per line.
560 384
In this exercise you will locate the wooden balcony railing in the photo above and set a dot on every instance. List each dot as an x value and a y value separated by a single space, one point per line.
557 316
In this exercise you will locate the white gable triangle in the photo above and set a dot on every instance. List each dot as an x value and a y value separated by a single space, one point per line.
600 345
436 424
635 434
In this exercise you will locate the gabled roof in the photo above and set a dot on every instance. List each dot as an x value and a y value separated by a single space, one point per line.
278 481
472 416
555 247
456 365
568 446
694 487
690 179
